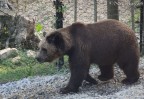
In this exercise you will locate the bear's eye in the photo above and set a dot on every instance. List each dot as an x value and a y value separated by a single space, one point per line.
44 50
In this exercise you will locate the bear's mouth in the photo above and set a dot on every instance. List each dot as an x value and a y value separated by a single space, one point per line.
52 58
42 60
49 60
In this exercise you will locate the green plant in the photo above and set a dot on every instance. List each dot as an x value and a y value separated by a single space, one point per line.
39 27
27 67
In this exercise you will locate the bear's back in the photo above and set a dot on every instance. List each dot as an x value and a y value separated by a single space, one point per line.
111 33
105 39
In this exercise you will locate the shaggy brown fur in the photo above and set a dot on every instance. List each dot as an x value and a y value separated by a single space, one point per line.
103 43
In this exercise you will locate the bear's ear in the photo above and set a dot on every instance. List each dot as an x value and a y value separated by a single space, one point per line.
56 39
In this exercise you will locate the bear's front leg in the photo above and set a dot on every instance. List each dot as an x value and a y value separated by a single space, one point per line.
106 72
78 74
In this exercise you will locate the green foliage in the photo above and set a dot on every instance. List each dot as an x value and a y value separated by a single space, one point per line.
39 27
136 18
26 67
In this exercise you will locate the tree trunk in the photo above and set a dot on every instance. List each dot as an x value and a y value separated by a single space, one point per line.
95 10
142 28
112 9
132 14
75 10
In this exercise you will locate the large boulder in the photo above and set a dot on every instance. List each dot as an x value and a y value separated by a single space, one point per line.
24 34
8 53
18 31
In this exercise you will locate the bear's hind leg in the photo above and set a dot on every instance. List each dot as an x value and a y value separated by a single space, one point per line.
106 72
131 72
128 62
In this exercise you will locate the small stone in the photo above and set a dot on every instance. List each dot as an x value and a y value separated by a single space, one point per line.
16 60
31 53
8 53
15 97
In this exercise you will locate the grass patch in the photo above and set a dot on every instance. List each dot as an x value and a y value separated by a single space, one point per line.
27 66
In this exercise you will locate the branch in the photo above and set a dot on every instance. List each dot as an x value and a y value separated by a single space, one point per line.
7 12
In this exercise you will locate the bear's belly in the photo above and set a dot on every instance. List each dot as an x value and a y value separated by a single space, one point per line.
104 58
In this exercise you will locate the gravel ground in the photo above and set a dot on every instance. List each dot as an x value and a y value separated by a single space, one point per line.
47 87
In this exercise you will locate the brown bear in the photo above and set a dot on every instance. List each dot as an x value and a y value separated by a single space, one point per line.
103 43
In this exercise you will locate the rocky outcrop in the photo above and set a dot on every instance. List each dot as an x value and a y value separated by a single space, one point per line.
18 31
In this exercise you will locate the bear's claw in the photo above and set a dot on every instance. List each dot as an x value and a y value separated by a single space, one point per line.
68 90
129 81
100 77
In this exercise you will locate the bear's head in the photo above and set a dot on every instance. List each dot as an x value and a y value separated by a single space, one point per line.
54 45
